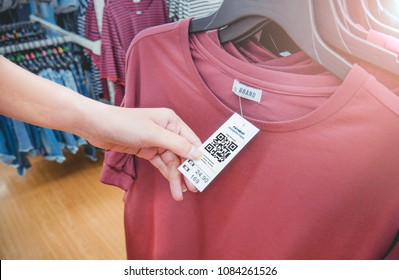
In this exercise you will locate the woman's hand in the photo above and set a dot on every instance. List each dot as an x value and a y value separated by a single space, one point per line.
157 135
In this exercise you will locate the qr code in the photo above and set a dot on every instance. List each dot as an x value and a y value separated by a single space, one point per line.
221 147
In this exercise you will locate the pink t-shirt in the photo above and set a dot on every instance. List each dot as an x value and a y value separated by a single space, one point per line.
251 51
319 181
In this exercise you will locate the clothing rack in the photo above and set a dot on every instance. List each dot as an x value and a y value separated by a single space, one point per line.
95 47
15 25
65 37
34 44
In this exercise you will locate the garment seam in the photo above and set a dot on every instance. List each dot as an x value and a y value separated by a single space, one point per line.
381 102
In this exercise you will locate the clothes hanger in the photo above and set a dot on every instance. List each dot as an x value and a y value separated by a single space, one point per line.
35 54
235 31
356 13
334 32
55 55
381 13
46 59
374 23
242 29
31 65
344 15
295 17
36 60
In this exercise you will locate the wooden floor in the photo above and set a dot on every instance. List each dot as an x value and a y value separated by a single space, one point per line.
60 211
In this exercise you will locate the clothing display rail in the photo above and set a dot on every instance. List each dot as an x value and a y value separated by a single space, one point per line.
72 37
65 37
35 44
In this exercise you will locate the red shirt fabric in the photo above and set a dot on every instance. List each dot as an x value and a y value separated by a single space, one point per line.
252 52
319 181
122 20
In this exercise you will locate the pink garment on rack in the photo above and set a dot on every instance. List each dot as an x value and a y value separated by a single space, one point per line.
91 30
92 33
319 181
251 51
122 20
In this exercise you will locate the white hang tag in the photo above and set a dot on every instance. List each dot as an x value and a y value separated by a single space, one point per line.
218 151
247 92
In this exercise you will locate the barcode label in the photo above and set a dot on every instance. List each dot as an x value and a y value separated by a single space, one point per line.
218 151
221 147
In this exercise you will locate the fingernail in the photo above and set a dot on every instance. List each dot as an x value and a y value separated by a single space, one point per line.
185 189
194 153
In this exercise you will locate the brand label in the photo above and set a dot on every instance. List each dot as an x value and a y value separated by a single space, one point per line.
247 92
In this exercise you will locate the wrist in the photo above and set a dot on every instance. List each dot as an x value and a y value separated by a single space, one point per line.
86 122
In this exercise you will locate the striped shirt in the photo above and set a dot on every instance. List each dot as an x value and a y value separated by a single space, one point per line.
182 9
95 80
91 30
122 20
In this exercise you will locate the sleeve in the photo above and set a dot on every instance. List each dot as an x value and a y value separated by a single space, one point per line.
119 169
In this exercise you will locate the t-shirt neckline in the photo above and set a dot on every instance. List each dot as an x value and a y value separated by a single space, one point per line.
351 85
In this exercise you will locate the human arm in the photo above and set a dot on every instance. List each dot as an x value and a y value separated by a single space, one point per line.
157 135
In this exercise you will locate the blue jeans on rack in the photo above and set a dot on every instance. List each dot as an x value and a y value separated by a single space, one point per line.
24 163
77 73
24 146
23 140
91 152
46 12
9 151
5 154
54 75
21 161
60 138
51 147
34 135
68 80
70 142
